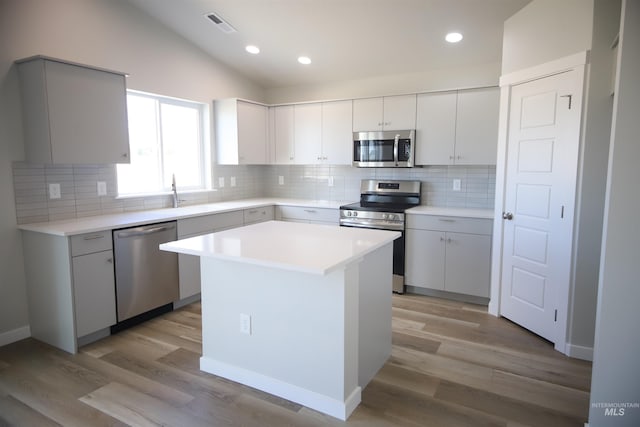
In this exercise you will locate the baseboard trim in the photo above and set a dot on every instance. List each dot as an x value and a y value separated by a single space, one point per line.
14 335
580 352
308 398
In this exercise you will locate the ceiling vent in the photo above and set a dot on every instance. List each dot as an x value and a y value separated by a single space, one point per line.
221 24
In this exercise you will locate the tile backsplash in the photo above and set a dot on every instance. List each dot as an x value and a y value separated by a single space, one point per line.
79 198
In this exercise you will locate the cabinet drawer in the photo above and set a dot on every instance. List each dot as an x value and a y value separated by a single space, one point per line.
91 242
450 223
258 214
309 214
209 223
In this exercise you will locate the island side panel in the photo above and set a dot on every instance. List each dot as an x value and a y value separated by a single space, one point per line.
301 345
376 283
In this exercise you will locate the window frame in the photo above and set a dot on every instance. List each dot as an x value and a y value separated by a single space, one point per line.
204 146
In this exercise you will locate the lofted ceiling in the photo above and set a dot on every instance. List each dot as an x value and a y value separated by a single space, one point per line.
345 39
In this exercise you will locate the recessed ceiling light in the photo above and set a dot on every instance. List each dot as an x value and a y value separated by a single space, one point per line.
252 49
453 37
304 60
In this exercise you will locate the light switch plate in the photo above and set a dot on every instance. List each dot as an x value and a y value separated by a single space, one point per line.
280 180
245 323
221 182
330 181
102 188
456 185
54 191
232 181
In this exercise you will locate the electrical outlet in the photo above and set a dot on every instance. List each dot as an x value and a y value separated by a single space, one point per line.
280 180
330 181
245 324
221 182
54 191
102 188
456 185
232 181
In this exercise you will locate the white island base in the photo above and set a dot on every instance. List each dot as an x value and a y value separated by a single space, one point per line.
312 325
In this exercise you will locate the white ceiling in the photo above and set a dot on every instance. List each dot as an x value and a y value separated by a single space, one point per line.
345 39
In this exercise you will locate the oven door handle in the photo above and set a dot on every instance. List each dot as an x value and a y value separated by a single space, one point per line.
395 148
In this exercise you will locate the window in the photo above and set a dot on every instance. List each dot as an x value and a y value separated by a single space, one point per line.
166 138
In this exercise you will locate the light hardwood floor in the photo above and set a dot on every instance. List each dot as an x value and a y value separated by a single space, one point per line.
452 364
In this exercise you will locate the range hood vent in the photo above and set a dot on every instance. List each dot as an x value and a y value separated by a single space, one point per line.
221 24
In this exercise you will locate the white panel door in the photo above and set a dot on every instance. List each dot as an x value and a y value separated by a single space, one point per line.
367 114
477 126
399 112
337 138
252 133
542 154
283 134
436 128
307 122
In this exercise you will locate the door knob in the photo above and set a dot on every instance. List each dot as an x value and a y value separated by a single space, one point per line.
507 215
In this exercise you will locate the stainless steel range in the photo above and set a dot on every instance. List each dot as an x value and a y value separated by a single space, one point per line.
382 205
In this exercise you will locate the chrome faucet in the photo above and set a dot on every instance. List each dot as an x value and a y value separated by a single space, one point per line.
176 202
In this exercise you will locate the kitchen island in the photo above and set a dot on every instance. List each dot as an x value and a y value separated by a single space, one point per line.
301 311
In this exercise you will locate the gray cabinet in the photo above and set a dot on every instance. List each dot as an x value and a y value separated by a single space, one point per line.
73 113
70 287
457 127
450 254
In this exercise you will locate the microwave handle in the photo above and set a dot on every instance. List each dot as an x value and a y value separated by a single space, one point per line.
395 148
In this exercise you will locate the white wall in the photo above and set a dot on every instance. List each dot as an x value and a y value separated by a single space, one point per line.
546 30
615 377
433 80
593 174
109 34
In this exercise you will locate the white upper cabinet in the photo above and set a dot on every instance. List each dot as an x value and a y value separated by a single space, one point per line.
337 137
241 132
307 119
283 135
477 126
386 113
73 113
457 128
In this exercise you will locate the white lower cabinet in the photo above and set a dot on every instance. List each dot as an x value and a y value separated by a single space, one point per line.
309 215
449 254
94 292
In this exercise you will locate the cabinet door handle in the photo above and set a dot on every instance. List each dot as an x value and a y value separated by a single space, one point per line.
310 210
125 155
94 237
110 260
449 240
441 239
253 212
446 220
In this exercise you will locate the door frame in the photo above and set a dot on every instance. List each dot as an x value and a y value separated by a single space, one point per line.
577 62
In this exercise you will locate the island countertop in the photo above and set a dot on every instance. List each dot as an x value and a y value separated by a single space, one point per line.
308 248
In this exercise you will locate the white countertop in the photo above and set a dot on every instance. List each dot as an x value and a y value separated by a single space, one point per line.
308 248
459 212
132 219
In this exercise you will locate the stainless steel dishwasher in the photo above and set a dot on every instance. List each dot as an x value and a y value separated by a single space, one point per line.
146 277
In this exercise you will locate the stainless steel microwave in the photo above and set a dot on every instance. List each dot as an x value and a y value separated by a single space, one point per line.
384 149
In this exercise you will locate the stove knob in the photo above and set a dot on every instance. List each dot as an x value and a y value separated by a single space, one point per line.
385 216
392 216
355 213
348 213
